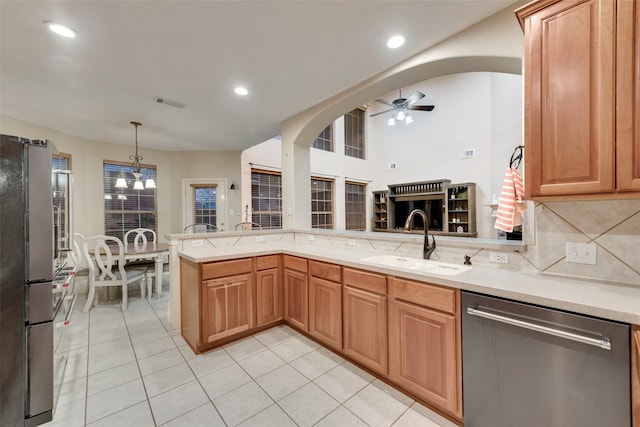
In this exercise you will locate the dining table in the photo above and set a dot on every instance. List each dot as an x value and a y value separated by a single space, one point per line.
143 251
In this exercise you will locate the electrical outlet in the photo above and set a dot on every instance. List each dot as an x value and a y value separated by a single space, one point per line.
351 242
498 257
259 238
196 243
582 253
312 237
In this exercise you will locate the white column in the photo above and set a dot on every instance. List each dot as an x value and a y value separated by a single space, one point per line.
296 184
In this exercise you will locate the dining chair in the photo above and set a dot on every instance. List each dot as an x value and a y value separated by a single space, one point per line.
107 269
200 228
247 226
140 237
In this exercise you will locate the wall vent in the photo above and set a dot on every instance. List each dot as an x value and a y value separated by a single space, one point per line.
471 152
169 102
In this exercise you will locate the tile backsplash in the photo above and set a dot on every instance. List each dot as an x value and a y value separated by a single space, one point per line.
614 226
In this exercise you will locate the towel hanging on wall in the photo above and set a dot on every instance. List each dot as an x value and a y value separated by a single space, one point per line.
511 204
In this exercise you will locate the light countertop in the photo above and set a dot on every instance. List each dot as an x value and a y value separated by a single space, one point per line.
606 300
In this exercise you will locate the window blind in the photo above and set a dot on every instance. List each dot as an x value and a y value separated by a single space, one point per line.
355 206
321 203
203 204
324 141
354 133
126 208
266 198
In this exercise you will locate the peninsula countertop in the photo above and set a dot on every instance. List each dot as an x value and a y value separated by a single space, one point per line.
608 300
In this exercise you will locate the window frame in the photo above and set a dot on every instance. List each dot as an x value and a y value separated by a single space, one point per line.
320 142
257 214
317 213
194 209
145 168
363 202
221 198
357 148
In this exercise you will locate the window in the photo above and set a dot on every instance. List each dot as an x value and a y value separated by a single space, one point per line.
324 141
61 165
61 161
204 204
354 133
354 206
321 203
266 199
126 208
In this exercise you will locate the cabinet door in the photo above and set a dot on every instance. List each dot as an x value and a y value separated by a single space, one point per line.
325 311
422 353
569 110
296 298
268 297
628 97
226 307
365 328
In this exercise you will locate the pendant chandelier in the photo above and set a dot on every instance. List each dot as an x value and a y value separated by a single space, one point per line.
137 185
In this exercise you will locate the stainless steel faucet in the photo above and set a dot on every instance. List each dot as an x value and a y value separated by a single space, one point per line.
428 249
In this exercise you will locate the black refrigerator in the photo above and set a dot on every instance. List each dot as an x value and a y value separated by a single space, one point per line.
26 271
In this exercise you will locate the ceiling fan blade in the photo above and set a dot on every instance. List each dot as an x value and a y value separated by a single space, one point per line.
415 97
422 107
381 112
382 101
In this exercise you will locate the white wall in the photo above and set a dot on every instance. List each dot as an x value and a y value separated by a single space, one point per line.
478 110
172 167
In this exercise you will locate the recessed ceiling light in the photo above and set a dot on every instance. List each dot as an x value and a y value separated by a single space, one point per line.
241 91
61 30
395 42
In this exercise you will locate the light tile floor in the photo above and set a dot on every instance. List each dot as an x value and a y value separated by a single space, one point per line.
130 369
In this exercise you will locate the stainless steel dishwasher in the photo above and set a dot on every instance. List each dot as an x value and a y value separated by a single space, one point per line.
531 366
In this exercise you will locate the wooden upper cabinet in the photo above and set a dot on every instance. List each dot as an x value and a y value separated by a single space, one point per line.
569 96
628 96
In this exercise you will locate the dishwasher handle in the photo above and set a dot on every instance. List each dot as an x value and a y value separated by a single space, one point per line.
603 342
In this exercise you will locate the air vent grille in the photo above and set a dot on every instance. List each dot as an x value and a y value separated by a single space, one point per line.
170 102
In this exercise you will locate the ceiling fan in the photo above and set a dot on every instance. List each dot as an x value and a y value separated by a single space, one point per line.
401 105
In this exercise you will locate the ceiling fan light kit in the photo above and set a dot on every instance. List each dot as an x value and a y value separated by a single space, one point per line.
401 107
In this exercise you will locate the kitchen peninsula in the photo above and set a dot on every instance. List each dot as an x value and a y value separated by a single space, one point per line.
325 285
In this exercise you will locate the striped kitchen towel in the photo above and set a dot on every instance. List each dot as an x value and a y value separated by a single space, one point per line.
511 202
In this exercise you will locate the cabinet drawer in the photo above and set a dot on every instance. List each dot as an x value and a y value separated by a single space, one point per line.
325 271
266 262
442 299
214 270
364 280
295 263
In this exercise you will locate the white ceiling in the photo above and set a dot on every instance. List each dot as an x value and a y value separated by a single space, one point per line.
291 55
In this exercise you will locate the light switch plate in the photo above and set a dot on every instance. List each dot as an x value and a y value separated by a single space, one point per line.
582 253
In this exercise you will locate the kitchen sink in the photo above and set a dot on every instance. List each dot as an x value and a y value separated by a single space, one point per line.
417 264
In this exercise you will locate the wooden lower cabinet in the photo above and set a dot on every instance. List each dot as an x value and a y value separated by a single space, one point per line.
296 292
325 311
424 344
268 291
217 301
635 374
364 305
226 307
